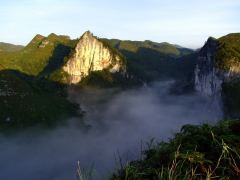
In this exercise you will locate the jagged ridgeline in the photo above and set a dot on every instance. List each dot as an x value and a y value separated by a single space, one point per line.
64 60
33 79
92 60
217 71
39 54
147 60
49 64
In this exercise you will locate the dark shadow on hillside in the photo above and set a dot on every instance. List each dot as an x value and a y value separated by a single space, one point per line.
149 64
56 61
185 73
28 101
146 53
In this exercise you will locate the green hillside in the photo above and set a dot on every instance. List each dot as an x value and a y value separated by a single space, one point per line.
44 57
7 47
231 97
227 58
32 75
147 60
28 97
164 48
26 101
228 51
197 152
38 54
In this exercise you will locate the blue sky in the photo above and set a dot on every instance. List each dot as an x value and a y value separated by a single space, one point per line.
185 22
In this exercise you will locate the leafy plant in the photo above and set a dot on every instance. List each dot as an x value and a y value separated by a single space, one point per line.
197 152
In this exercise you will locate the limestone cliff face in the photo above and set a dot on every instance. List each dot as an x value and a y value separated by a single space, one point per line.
91 54
209 75
208 78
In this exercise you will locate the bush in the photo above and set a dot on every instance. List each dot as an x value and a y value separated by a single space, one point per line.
197 152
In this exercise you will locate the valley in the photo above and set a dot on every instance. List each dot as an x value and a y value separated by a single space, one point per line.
94 100
117 123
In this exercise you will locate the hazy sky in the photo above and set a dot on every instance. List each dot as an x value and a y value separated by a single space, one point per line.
184 22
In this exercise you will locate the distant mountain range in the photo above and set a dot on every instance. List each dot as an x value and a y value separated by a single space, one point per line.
39 73
45 55
7 47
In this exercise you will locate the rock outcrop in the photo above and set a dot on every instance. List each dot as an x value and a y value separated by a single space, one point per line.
92 54
208 78
217 63
217 73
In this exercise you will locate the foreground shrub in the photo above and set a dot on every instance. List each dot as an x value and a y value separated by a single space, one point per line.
197 152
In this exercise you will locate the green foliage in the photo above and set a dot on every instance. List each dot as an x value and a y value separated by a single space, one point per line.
38 54
197 152
228 51
163 48
148 64
6 47
227 58
28 95
35 82
26 101
59 76
231 97
147 61
105 79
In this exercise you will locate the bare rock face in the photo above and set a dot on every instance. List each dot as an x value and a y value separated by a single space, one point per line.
217 74
208 78
91 54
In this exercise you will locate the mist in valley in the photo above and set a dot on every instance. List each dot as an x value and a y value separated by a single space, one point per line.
117 123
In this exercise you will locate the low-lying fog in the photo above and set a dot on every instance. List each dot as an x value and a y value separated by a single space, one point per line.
118 124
